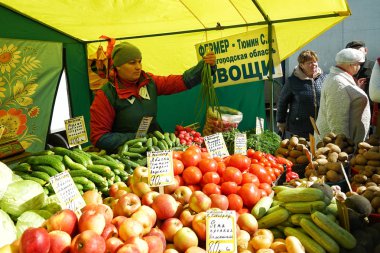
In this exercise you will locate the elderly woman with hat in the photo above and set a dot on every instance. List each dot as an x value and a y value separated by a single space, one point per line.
131 95
344 107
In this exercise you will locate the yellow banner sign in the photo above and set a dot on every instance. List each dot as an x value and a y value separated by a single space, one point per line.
243 57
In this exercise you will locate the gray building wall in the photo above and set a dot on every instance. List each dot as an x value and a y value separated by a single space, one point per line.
363 24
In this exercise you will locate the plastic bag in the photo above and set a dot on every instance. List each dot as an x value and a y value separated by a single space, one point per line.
226 120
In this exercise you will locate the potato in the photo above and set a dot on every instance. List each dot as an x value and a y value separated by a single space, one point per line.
332 176
364 145
284 143
332 157
361 189
368 195
303 141
335 166
326 140
295 153
322 170
360 159
342 156
370 155
322 161
283 151
376 178
322 151
374 163
360 178
302 159
333 147
293 141
374 149
331 135
300 147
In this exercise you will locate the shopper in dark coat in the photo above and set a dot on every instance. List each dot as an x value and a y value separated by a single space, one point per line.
299 97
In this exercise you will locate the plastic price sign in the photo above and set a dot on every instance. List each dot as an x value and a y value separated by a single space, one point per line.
76 131
67 193
259 125
160 168
216 145
221 231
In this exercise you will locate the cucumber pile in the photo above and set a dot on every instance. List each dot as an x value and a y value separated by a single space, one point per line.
94 170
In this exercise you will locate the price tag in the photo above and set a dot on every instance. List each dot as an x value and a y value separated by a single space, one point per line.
143 127
259 125
2 129
216 145
221 231
67 193
160 168
240 144
76 131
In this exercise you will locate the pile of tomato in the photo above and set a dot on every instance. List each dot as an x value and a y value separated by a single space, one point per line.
244 179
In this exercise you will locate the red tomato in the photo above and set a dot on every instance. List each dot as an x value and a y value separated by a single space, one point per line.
239 161
228 188
262 193
221 168
211 177
243 210
232 174
195 148
250 178
250 194
206 165
257 155
254 161
211 188
270 172
206 155
177 154
261 173
235 202
277 172
177 167
192 175
266 187
190 158
194 187
218 159
250 152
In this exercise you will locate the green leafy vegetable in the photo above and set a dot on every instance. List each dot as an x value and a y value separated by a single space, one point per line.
7 229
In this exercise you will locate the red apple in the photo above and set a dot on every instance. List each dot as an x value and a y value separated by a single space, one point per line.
35 240
92 197
182 194
88 242
103 209
247 222
141 244
148 198
92 220
170 227
127 205
130 228
154 243
113 244
186 217
199 202
219 201
109 231
115 187
158 232
195 249
60 241
111 201
165 206
146 216
118 220
199 225
140 188
65 220
169 189
140 174
184 239
128 248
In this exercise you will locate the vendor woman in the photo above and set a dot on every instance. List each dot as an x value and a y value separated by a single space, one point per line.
131 94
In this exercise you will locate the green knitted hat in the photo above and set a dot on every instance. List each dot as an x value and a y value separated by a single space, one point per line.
125 52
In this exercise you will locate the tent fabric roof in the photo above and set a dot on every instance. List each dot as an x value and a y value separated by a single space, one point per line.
87 20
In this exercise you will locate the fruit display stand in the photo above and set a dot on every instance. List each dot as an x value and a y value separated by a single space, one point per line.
123 213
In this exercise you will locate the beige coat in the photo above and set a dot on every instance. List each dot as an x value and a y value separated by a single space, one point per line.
344 107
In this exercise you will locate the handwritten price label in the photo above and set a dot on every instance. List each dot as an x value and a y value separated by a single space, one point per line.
240 143
160 168
143 127
221 231
67 193
76 131
216 145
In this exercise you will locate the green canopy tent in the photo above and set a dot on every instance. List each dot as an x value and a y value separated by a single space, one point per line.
166 32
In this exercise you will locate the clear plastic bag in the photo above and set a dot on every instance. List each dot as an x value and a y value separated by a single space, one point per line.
226 120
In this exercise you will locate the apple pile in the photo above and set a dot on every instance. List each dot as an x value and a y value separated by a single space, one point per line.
139 218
